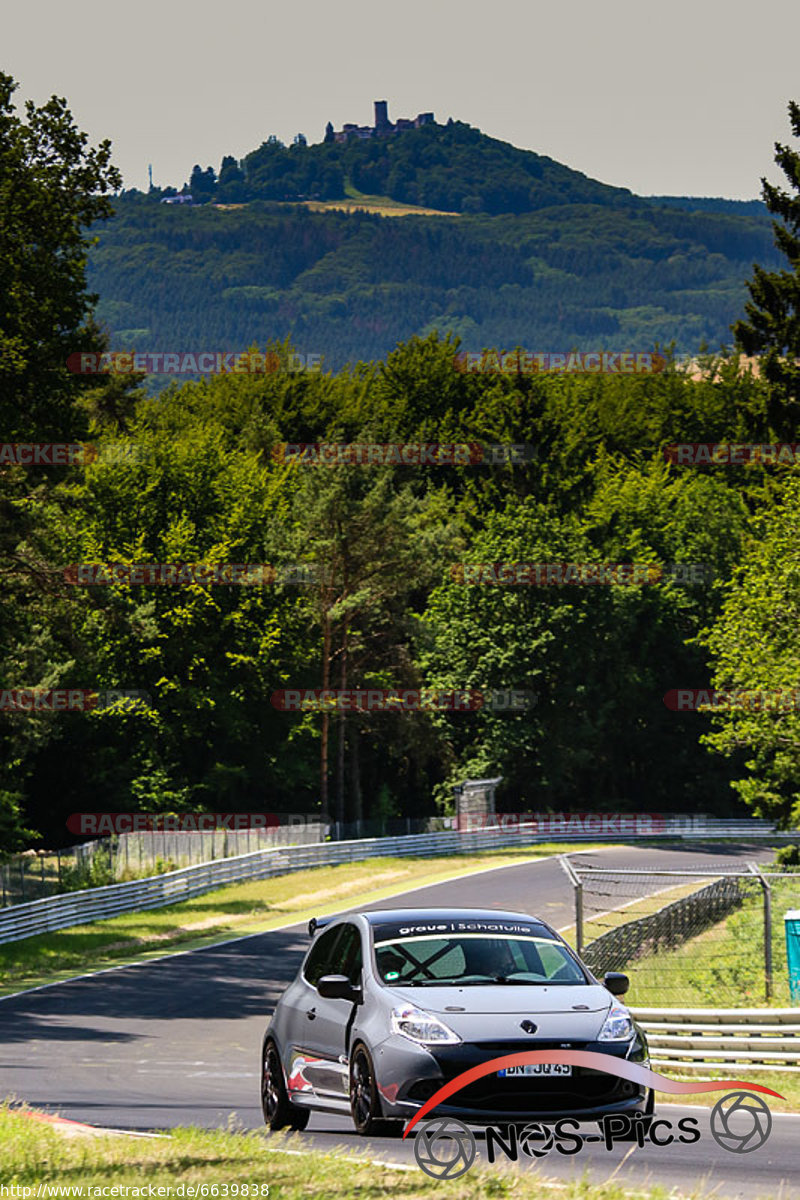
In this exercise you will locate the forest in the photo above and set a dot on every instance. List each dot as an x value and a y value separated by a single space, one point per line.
369 586
351 286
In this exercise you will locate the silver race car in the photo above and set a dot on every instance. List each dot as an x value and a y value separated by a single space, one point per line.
390 1005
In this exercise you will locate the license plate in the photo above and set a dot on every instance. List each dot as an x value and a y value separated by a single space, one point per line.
538 1069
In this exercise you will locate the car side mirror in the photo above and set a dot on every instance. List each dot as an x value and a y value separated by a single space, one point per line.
616 982
338 987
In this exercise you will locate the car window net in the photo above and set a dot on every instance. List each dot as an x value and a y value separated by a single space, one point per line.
470 959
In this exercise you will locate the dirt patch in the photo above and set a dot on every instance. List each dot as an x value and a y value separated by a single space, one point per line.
341 889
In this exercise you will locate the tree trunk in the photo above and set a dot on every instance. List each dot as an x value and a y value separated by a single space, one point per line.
340 803
326 677
355 769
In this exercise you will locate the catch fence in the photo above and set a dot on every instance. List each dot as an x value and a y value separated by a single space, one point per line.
688 938
38 874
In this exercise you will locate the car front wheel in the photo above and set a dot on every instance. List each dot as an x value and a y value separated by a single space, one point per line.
364 1101
279 1112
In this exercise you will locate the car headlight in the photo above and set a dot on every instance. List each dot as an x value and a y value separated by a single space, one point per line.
421 1026
618 1025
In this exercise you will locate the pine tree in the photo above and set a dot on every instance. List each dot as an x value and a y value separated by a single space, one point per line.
773 312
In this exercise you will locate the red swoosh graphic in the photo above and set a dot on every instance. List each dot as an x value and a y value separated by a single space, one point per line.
585 1058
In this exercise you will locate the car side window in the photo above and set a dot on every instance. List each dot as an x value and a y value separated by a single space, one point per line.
557 966
320 960
348 958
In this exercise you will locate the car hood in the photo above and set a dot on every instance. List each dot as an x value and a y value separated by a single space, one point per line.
576 1013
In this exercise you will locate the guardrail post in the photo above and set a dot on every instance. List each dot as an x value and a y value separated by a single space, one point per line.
767 894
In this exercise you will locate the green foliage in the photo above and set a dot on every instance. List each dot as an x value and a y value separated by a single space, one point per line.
387 609
755 650
772 327
51 188
788 856
90 872
13 833
353 285
573 261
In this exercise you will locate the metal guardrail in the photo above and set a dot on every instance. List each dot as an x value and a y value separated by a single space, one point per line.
758 1039
97 904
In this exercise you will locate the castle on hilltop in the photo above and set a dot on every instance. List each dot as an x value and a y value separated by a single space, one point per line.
383 127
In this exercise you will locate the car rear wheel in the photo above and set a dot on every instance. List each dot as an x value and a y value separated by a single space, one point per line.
279 1112
364 1101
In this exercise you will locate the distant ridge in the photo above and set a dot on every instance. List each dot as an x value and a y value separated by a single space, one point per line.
715 204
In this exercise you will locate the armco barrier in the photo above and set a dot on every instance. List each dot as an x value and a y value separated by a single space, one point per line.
97 904
758 1039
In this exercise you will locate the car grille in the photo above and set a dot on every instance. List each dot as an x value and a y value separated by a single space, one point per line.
547 1094
514 1047
583 1089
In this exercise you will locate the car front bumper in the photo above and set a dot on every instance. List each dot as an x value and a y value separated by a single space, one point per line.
407 1075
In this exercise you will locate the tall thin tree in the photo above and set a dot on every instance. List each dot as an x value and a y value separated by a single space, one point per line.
772 327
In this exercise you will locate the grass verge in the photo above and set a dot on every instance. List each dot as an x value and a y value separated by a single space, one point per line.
722 967
252 907
785 1082
32 1154
641 906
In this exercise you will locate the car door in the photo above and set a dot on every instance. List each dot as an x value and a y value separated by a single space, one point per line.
328 1022
308 1073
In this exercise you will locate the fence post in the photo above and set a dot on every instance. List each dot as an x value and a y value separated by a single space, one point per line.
767 893
578 889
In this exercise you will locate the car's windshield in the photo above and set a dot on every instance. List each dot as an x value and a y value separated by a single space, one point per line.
473 959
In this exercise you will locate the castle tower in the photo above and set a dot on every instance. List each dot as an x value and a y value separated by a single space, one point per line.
381 116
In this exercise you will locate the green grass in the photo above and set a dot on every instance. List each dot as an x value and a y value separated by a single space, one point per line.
723 966
251 907
32 1153
785 1082
642 906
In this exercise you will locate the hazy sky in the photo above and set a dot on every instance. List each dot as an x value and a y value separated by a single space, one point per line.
684 97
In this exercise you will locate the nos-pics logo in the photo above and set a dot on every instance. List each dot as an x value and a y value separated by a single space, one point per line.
446 1148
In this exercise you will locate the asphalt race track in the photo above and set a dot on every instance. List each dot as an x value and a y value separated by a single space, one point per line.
177 1041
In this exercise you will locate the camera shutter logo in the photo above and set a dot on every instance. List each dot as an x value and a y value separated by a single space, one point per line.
444 1148
741 1122
536 1140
